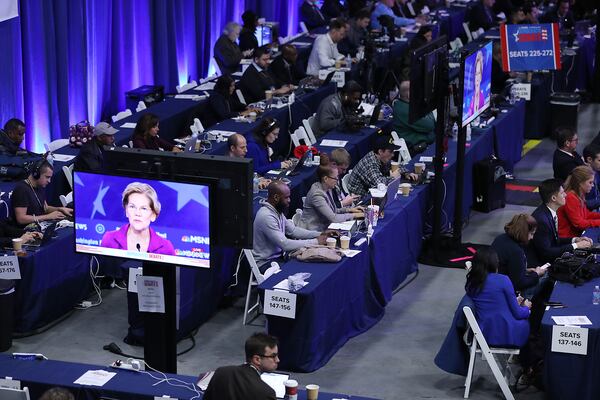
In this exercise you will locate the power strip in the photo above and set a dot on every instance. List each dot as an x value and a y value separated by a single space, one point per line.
124 365
360 241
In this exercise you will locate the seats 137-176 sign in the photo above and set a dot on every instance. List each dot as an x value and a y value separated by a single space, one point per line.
530 47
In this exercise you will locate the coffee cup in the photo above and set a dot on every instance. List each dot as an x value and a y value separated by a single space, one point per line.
268 94
404 189
338 64
316 160
395 166
345 242
291 389
419 168
331 242
252 116
17 244
312 392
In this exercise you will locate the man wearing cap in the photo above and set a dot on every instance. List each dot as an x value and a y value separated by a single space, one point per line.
375 168
91 154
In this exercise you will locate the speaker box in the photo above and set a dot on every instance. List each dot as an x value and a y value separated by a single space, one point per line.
489 185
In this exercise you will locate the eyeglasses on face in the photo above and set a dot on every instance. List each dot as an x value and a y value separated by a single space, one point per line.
273 356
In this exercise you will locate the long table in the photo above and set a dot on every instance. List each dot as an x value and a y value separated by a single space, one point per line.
344 299
41 375
573 376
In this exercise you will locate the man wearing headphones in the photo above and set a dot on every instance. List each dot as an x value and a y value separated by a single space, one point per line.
29 198
333 109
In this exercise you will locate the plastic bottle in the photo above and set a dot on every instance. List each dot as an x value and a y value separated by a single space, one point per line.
348 61
255 189
596 295
468 133
455 131
309 159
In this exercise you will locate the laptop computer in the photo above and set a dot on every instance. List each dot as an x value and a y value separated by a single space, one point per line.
190 144
296 170
48 234
375 116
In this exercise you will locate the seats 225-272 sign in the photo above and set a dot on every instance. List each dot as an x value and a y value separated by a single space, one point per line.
530 47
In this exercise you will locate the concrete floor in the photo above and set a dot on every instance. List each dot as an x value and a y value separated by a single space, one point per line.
393 360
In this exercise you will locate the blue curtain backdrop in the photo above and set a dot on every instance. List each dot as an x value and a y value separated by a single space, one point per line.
69 60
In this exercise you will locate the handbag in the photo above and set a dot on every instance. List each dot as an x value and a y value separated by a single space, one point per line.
80 133
317 253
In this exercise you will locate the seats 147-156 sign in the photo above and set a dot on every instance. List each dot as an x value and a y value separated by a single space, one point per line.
530 47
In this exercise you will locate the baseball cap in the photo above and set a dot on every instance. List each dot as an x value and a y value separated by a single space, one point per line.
384 143
104 128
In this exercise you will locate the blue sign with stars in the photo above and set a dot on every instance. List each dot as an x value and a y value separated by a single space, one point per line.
530 47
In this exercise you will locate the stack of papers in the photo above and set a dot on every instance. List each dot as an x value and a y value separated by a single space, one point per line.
194 97
334 143
342 226
206 86
95 378
572 320
128 125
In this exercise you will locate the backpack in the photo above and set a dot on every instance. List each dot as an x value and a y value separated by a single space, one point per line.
16 167
80 133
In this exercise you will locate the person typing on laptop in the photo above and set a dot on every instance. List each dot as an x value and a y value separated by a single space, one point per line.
259 146
238 148
241 382
29 198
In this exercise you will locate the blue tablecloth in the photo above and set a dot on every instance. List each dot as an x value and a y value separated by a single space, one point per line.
41 375
571 376
53 280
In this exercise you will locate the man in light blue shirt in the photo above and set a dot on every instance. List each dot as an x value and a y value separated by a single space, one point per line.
384 7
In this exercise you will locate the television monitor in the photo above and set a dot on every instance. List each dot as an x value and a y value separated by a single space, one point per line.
476 82
233 189
428 74
142 219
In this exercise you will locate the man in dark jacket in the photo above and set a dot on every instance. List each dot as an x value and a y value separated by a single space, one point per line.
243 382
257 79
482 16
226 52
311 15
561 15
91 154
565 157
546 244
285 68
11 138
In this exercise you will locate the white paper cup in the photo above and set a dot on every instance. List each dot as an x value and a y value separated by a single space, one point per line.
419 168
331 242
395 166
291 389
268 94
316 160
404 189
312 392
345 242
17 244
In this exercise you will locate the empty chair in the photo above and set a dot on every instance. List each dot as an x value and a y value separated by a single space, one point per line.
467 32
187 86
64 200
240 96
123 114
308 124
298 215
478 344
256 278
68 171
299 136
197 127
214 66
140 107
14 394
56 144
345 180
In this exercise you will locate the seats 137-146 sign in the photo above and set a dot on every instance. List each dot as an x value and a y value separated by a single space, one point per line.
530 47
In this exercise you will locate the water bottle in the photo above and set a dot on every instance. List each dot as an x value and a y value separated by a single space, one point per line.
455 131
596 295
255 189
469 133
309 159
348 61
511 96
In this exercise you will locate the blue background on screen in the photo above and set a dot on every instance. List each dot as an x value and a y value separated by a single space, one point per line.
486 85
183 220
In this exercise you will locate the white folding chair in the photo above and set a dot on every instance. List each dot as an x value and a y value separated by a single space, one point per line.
68 171
297 216
214 65
403 153
256 278
14 394
56 144
198 127
64 200
123 114
187 86
345 180
468 32
299 136
478 344
140 107
308 124
240 96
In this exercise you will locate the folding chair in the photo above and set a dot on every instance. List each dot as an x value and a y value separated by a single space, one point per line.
478 344
64 200
297 216
14 394
345 180
56 144
308 124
256 278
123 114
68 171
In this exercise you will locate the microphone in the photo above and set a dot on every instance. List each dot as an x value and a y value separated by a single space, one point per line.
138 247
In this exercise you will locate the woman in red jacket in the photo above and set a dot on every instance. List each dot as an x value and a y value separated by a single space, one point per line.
574 217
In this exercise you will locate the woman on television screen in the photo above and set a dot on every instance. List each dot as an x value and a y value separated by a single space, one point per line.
142 207
478 99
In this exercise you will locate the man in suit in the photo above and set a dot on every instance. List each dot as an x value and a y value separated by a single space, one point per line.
324 52
482 16
561 15
91 155
285 68
226 52
591 156
357 33
248 40
565 156
546 244
241 382
311 15
333 9
256 79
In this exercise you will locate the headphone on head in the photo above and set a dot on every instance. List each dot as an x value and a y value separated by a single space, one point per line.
36 169
265 131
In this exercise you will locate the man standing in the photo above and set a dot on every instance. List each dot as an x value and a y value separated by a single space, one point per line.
311 15
243 382
91 154
546 243
324 52
274 234
384 9
226 52
565 157
257 79
11 138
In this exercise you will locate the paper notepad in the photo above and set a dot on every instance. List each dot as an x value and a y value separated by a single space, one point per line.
342 226
334 143
128 125
206 86
572 320
95 378
284 285
62 157
276 382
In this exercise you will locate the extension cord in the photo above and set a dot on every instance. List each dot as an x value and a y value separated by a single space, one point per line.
123 365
